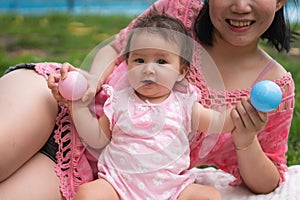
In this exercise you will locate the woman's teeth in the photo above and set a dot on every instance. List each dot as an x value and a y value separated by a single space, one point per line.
239 23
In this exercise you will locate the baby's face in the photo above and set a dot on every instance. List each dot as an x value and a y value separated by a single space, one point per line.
153 66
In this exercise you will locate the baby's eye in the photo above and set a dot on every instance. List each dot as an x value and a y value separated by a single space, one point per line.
161 61
139 60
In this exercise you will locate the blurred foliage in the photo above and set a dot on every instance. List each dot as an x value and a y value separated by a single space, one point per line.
54 37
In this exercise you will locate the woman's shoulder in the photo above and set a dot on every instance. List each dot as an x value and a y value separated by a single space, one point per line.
282 78
276 71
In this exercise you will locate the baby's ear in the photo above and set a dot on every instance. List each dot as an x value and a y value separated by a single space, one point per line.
183 72
180 77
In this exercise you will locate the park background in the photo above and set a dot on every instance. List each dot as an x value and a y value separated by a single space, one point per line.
68 30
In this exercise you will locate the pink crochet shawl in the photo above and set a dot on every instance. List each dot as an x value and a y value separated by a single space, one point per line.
76 165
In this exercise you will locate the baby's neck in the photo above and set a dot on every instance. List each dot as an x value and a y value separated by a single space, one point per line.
153 100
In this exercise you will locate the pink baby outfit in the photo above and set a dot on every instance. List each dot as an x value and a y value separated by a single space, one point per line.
148 155
76 165
216 149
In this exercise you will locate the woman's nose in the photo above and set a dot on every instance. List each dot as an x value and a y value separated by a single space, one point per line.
241 6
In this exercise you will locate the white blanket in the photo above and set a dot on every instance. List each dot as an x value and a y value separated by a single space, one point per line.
289 190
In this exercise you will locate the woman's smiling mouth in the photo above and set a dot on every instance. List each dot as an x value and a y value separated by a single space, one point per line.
239 23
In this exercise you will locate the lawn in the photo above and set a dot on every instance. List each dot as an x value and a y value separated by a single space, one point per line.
54 37
64 37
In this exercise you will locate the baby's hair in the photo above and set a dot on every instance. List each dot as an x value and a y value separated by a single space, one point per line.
278 34
170 28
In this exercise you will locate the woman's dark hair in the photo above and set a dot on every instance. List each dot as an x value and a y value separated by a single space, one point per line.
279 34
170 28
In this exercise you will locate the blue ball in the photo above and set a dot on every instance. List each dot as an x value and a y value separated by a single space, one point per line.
265 96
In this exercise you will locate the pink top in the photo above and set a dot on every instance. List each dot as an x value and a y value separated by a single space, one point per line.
76 165
149 153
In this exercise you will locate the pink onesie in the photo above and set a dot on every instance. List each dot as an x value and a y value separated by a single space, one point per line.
149 152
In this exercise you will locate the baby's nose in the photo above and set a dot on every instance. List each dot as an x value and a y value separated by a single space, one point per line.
149 68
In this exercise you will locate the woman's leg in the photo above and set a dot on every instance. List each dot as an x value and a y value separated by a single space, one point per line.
99 189
35 180
200 192
28 113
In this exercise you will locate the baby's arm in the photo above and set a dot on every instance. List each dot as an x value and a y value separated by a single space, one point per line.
209 120
94 132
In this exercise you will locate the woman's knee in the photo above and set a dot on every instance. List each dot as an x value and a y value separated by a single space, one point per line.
27 107
27 119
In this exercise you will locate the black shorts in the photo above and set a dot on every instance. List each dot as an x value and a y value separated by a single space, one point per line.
51 147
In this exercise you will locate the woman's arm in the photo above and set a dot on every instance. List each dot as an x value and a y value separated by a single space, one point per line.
95 132
102 66
258 172
104 62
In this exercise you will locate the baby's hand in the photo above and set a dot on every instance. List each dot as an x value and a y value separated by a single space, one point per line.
53 83
93 87
88 96
92 80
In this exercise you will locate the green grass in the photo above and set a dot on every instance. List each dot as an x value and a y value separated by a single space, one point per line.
54 37
64 37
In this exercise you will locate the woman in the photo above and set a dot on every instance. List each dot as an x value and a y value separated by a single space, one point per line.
230 36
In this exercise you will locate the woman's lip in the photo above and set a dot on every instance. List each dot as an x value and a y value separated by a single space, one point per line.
239 23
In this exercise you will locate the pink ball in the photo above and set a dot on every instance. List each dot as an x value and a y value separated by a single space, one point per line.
73 87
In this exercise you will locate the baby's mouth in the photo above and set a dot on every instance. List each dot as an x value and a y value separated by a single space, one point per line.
148 82
239 24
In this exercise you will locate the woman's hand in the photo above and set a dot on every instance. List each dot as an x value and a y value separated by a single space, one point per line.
248 123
